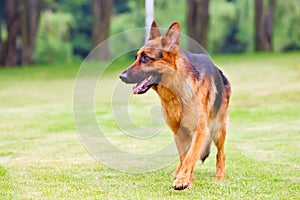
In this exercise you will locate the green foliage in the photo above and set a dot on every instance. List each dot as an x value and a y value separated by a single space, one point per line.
53 39
223 15
3 33
225 23
128 21
231 26
81 31
134 17
287 20
121 6
245 19
167 12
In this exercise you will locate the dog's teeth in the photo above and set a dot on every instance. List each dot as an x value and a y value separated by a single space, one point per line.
149 78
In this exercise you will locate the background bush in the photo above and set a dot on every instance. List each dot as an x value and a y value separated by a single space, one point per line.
53 43
66 31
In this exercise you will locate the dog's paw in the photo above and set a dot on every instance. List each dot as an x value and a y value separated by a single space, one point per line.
220 176
176 172
181 183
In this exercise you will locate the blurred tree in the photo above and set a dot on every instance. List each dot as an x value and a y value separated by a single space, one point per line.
223 28
81 10
1 11
121 6
53 39
164 13
263 22
9 51
22 19
102 11
198 22
30 12
245 21
287 18
135 14
81 31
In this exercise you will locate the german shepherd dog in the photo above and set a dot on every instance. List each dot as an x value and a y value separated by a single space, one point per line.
194 96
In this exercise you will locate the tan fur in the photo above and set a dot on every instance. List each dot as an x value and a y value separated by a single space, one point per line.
187 104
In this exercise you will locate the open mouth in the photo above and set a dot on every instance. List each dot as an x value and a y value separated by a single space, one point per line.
145 84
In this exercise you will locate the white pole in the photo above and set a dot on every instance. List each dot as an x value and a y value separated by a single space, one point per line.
149 7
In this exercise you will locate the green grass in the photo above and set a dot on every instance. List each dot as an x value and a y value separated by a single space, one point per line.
42 157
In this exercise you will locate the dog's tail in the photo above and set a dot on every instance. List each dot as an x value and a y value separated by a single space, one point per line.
226 85
205 150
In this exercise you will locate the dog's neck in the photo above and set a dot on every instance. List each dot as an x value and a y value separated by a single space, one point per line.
175 85
174 91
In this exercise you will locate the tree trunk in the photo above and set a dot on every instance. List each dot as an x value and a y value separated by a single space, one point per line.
102 10
269 25
9 51
263 25
198 22
30 15
258 25
0 35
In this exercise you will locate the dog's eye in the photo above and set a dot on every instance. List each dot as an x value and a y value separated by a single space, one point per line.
144 58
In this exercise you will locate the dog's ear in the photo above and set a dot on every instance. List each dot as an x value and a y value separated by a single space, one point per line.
171 40
154 31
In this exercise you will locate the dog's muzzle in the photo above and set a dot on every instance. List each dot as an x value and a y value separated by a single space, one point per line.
144 80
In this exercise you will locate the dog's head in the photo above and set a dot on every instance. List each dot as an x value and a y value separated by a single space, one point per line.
155 59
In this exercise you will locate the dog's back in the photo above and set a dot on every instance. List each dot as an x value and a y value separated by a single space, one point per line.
203 66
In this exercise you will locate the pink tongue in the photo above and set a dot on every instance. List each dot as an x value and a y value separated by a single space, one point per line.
139 87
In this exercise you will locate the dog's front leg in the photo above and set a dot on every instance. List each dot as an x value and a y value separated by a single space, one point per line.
185 175
183 142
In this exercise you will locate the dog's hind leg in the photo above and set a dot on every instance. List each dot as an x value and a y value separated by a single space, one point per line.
220 134
220 171
206 150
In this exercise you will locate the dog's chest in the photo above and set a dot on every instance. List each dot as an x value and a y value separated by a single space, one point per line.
172 113
172 109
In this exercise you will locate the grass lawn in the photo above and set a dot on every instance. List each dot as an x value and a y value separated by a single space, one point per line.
42 157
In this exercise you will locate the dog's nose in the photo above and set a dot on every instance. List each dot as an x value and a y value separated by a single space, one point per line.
123 76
